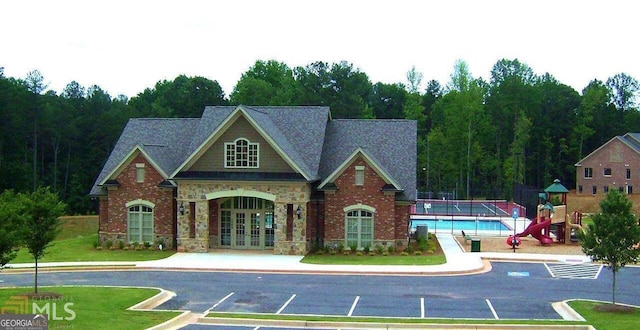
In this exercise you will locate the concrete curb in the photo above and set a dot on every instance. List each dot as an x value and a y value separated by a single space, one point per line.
374 325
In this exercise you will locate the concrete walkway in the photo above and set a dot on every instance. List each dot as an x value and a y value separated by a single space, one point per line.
458 262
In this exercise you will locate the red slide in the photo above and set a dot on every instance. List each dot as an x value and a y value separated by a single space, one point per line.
535 229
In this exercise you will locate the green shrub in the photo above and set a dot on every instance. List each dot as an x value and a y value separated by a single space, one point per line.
404 253
109 244
409 249
390 249
99 247
359 253
96 243
422 244
418 253
372 253
367 249
353 247
340 248
332 252
346 253
120 244
431 246
385 253
379 249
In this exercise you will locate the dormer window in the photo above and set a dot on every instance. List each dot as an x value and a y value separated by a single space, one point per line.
241 153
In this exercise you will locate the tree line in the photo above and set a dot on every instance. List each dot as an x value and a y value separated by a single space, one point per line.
475 137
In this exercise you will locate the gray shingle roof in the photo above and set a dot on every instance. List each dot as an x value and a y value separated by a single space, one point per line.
165 140
630 139
314 143
392 143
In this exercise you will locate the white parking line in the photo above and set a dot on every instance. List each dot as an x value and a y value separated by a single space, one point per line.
218 303
422 307
286 304
353 306
493 311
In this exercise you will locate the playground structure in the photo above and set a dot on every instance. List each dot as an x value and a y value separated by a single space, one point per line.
550 218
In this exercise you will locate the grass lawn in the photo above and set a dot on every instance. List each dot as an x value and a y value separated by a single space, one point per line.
81 249
396 259
626 318
75 243
94 307
387 320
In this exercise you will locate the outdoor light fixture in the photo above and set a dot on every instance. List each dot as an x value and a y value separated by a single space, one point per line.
181 208
299 212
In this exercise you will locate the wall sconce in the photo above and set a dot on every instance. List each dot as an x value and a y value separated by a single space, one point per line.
181 208
299 212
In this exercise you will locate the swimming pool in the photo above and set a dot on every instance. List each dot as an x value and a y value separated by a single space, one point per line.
471 225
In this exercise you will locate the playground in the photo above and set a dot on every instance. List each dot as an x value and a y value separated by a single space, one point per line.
553 229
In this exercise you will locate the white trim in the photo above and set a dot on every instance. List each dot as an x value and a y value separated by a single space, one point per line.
241 193
226 123
340 169
127 159
234 144
359 206
140 202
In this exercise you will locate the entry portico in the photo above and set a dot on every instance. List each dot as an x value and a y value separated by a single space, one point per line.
243 216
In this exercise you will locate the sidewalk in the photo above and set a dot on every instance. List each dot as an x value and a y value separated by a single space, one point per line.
458 262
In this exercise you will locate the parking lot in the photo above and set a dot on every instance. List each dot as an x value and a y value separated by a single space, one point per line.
508 291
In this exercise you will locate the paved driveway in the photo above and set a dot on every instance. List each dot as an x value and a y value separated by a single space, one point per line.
509 291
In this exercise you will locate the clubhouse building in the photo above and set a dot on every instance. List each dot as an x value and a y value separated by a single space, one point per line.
285 179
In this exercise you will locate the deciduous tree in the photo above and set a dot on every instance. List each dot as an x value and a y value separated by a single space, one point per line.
11 223
613 236
42 208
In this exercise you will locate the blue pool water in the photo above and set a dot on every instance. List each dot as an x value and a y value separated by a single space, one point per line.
460 224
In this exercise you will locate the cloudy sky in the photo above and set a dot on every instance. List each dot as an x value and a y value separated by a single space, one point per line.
127 46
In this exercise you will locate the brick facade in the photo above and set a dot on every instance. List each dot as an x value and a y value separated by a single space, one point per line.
113 209
295 171
616 156
390 221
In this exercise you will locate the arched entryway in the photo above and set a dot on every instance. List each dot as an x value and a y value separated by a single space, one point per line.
246 223
243 220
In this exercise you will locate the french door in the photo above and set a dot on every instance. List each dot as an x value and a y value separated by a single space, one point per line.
246 229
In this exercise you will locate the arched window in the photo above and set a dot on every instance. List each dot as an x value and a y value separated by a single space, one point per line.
140 223
359 228
241 154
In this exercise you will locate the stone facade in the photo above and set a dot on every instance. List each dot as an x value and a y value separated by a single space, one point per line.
616 156
296 194
253 152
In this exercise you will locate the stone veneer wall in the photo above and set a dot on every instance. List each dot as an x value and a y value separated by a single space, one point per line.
286 193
